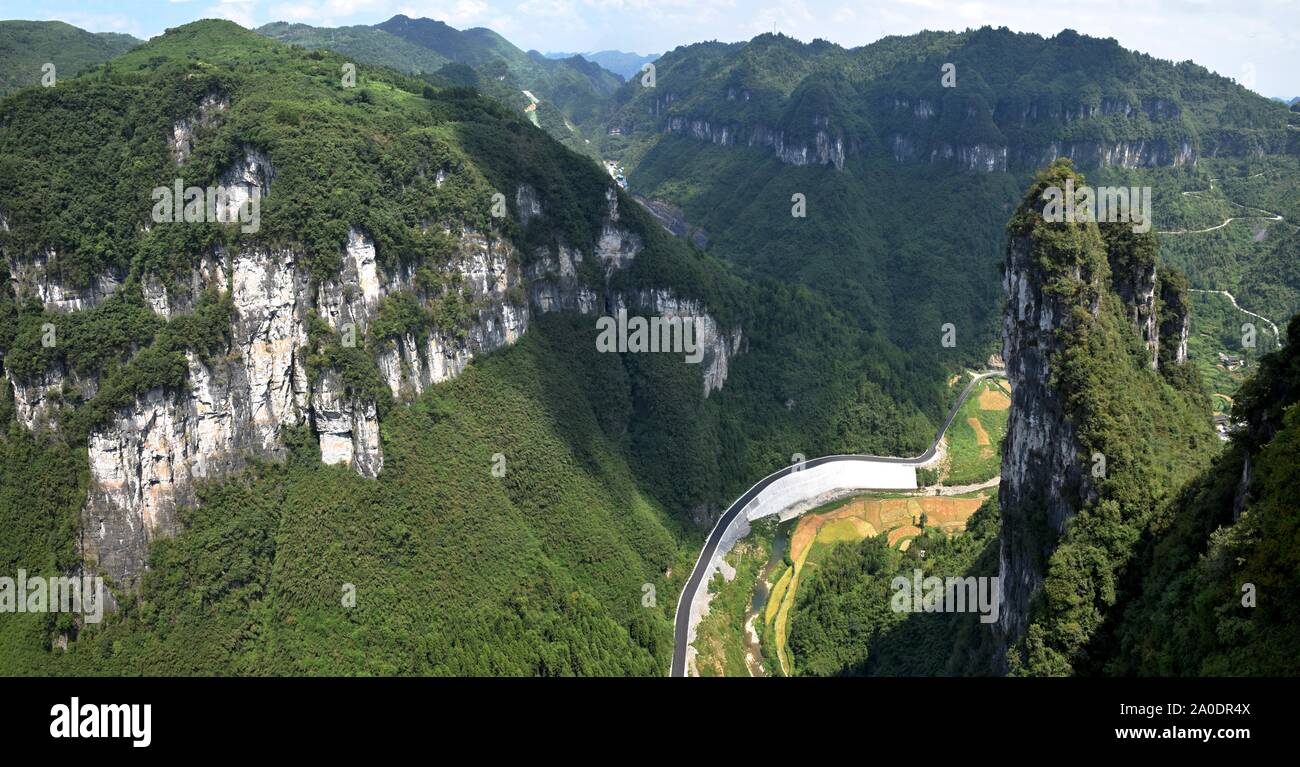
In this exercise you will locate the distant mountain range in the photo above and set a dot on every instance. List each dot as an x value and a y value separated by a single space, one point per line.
26 46
568 91
624 64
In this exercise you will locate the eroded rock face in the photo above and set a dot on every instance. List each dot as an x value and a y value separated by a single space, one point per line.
36 403
1175 323
41 277
208 114
1043 481
1137 289
718 346
826 146
555 285
488 269
347 426
146 459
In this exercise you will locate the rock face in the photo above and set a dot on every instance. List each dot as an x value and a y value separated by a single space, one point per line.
1043 480
1175 322
181 142
1137 289
488 269
147 458
40 276
554 285
718 345
823 147
1046 474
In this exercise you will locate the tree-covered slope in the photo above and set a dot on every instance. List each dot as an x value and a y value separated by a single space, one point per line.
1219 575
26 46
1132 541
614 464
362 43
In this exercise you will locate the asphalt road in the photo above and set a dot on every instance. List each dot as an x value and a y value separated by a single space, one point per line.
683 615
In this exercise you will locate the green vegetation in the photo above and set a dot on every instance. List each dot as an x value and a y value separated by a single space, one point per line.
721 637
572 90
362 44
1218 578
26 46
843 623
1216 330
975 454
456 571
1154 435
614 462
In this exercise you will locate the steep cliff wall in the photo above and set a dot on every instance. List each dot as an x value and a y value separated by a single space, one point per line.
1043 477
145 459
1097 430
825 146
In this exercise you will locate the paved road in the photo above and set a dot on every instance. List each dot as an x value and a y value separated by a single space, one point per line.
683 615
1237 306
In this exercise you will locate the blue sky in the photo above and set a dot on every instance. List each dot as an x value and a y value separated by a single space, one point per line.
1256 42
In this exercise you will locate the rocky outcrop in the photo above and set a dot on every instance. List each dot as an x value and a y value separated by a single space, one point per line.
181 141
487 269
672 218
1136 288
147 458
1142 153
1043 477
718 346
346 425
823 146
1002 157
36 403
41 276
555 284
1175 321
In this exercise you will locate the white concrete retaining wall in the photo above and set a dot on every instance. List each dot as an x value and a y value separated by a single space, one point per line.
788 497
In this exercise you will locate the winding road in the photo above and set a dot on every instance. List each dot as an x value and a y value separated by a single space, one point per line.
702 564
1270 217
1237 306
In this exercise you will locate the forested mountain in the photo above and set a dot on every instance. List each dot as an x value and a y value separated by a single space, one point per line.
372 430
202 432
624 64
26 46
909 168
564 91
1129 543
366 44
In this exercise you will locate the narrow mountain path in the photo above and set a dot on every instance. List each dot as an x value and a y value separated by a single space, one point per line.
1268 214
1238 307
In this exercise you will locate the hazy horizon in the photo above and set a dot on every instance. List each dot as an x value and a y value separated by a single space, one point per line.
1247 41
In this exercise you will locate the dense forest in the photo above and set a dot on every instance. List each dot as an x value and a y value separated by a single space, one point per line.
616 462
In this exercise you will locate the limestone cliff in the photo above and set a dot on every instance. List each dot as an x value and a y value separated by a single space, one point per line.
1043 476
147 457
1072 291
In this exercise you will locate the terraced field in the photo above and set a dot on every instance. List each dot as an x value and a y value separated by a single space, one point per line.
899 517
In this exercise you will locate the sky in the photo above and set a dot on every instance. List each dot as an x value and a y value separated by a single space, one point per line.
1255 42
